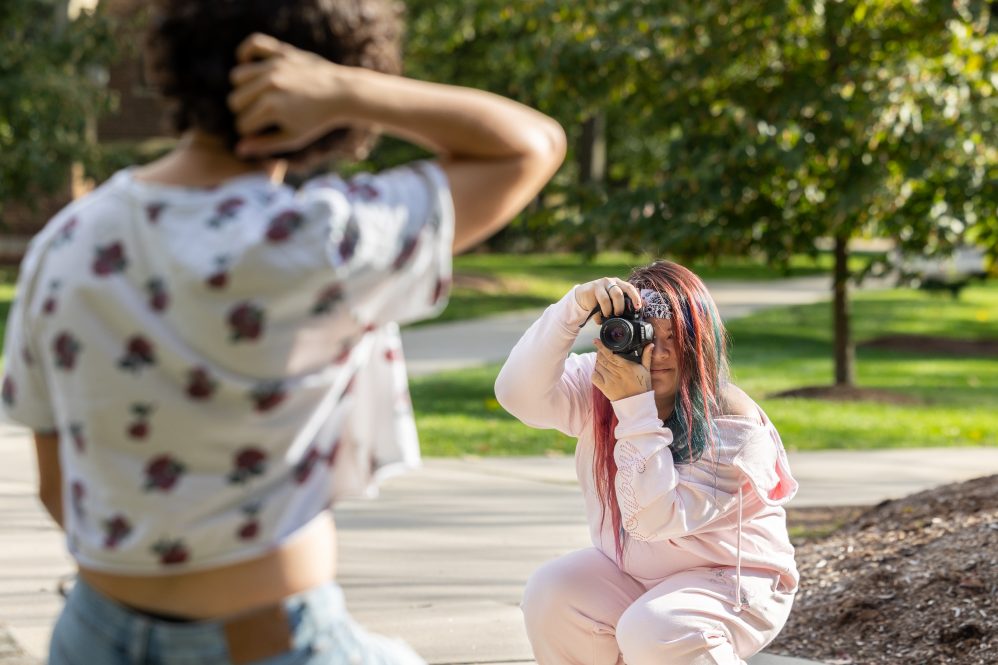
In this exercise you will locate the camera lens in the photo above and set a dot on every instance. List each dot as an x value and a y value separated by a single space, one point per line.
616 334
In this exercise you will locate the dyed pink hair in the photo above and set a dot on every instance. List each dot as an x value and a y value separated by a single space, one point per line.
701 359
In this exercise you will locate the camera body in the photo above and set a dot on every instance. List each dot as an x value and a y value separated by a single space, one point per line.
626 334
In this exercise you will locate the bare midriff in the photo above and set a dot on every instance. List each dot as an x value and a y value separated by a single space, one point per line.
306 561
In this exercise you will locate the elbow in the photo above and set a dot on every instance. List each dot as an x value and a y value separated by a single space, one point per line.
549 147
505 391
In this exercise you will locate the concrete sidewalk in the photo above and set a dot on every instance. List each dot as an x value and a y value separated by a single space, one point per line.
441 558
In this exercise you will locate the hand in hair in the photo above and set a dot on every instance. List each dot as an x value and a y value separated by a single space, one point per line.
284 98
618 378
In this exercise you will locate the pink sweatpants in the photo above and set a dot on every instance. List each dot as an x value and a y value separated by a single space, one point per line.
581 609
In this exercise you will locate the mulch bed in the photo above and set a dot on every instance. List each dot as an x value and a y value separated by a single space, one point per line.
908 581
934 345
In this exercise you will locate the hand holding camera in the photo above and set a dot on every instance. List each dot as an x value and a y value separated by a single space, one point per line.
617 305
624 348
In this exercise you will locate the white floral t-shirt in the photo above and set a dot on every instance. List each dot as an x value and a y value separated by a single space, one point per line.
221 364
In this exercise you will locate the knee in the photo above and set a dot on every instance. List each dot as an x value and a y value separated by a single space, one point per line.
545 595
645 638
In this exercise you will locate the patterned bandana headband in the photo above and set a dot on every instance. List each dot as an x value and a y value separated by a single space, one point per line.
654 306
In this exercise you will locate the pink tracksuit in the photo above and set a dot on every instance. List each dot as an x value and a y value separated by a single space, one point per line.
708 573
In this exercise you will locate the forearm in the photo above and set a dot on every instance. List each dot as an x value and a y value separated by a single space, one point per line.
452 121
535 384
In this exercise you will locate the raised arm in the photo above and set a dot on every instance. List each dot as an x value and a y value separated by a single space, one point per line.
541 384
497 154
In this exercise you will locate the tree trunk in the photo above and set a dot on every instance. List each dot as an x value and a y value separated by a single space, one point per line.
845 350
592 160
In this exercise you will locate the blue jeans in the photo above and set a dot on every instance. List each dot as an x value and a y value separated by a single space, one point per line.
95 630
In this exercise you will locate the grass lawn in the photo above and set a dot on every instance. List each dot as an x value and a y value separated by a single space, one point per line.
493 283
777 350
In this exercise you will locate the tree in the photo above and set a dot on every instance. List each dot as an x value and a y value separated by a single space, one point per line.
754 126
48 91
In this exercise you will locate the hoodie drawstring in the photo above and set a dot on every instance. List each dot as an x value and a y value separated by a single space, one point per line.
738 565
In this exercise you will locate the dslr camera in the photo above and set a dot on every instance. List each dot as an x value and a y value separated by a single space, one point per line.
626 334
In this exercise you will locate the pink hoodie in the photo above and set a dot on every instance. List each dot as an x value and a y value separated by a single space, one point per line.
722 511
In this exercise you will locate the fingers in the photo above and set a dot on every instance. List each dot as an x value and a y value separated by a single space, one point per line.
258 46
271 144
261 115
632 292
597 379
247 92
646 356
608 357
603 299
616 296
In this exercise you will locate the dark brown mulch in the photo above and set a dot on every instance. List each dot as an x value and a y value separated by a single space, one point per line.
934 345
909 581
850 394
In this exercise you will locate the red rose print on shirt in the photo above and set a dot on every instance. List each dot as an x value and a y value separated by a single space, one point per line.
29 358
66 232
246 321
391 355
110 259
200 384
171 552
344 354
162 473
76 434
220 278
366 190
249 529
405 254
78 493
66 349
327 300
9 391
51 303
284 225
139 427
139 353
334 452
153 211
348 243
226 211
303 469
268 395
443 285
159 299
116 529
249 462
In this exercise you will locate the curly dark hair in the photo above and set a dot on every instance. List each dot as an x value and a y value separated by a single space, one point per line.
191 48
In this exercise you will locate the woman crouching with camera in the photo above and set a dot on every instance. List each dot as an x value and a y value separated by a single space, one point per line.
683 475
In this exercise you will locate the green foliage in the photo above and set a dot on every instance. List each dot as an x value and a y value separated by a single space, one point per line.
50 89
756 125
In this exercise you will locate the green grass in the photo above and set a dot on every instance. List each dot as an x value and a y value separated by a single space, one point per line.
778 350
494 283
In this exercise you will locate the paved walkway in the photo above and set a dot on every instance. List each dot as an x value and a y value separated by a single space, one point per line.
441 558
